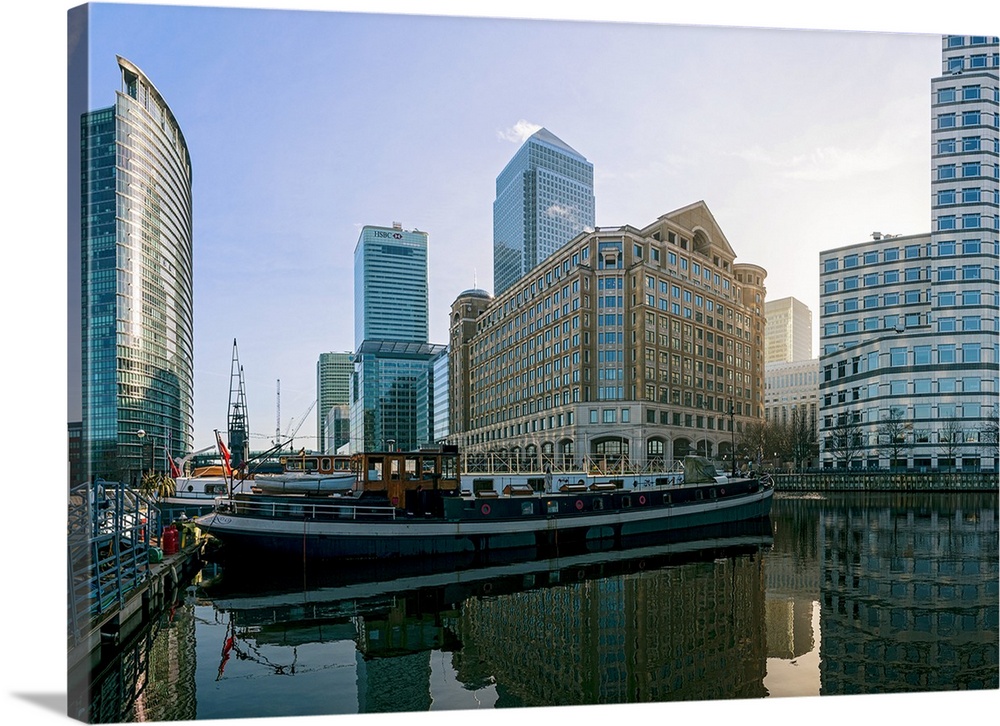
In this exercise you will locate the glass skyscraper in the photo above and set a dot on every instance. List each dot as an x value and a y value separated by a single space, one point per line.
137 302
545 197
333 389
908 326
390 285
391 402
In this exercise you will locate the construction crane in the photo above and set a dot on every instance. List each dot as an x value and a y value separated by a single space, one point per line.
302 419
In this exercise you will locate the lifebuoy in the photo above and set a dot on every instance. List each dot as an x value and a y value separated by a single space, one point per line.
485 509
579 504
722 492
642 499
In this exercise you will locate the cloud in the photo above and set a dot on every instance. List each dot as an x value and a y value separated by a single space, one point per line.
832 163
519 132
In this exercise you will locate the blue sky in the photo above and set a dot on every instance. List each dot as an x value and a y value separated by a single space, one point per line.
797 144
304 126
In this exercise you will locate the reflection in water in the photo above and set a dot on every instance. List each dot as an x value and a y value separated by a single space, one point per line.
834 595
906 585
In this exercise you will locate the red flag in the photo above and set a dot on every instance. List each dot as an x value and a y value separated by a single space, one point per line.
174 471
225 455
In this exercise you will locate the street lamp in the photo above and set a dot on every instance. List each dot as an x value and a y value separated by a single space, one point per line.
141 433
732 431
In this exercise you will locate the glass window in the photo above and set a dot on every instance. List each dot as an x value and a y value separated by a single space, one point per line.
946 95
946 196
947 121
911 296
891 254
922 385
946 273
946 298
946 146
946 353
871 258
891 298
971 352
970 221
897 356
890 277
971 322
947 221
970 247
850 283
970 297
946 325
970 118
946 248
947 171
830 265
970 93
970 143
922 355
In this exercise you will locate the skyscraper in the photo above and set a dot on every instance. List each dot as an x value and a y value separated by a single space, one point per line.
390 285
391 401
333 389
910 364
137 303
788 334
545 197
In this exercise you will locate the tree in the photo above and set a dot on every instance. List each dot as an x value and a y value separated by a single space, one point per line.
845 439
803 445
988 439
893 441
950 442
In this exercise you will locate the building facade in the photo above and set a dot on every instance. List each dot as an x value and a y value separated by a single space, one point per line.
391 401
333 389
545 197
626 347
789 333
464 322
909 324
137 287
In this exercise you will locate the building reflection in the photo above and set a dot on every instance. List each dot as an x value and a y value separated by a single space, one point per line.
672 625
909 594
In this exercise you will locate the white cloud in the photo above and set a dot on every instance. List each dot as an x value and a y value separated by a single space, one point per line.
560 210
519 132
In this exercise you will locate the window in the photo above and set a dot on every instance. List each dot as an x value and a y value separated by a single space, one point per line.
871 258
946 146
851 261
608 415
912 274
970 143
970 168
922 355
830 265
946 171
897 388
970 221
891 254
971 352
911 297
912 251
970 297
970 118
890 277
850 283
946 353
897 356
947 221
947 121
946 273
971 195
946 248
922 385
891 298
971 322
946 325
830 286
946 196
946 298
970 272
970 93
946 95
970 247
871 301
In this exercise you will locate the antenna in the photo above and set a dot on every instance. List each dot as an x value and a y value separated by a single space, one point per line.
277 414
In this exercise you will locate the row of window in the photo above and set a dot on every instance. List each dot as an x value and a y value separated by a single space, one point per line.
971 117
969 144
969 169
968 195
950 94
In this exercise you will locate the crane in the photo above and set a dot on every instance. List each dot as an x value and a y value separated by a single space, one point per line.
302 419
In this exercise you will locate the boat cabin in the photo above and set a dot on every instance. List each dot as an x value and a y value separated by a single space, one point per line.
412 480
316 463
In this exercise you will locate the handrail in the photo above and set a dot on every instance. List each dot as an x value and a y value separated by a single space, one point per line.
301 509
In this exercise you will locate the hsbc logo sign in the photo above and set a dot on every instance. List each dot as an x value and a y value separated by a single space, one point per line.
383 234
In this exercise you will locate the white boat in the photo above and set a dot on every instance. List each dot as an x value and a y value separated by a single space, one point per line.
303 483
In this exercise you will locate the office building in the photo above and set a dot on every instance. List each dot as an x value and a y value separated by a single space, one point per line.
391 403
789 333
909 323
390 285
545 197
333 389
465 312
137 302
626 346
440 388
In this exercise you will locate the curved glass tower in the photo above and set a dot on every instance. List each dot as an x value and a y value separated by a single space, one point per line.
137 290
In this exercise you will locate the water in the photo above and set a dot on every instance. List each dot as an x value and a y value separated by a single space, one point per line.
836 594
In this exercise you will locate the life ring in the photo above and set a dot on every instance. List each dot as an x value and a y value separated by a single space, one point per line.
642 499
579 504
722 492
582 483
485 509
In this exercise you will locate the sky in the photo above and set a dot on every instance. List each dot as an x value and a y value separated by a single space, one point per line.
304 127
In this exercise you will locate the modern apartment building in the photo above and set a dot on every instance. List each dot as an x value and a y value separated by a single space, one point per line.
909 323
545 197
626 345
137 302
789 333
333 389
391 401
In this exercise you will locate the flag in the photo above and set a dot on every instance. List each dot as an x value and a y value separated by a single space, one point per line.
174 471
227 467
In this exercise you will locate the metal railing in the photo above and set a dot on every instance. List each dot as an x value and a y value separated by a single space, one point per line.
288 508
109 532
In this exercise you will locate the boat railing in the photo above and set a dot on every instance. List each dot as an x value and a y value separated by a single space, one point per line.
295 508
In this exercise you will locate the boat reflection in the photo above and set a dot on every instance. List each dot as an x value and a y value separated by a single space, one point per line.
582 628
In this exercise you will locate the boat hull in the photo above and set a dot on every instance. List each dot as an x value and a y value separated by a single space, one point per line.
475 525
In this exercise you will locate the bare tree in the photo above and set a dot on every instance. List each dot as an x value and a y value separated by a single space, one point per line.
802 442
845 441
988 439
893 441
951 440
